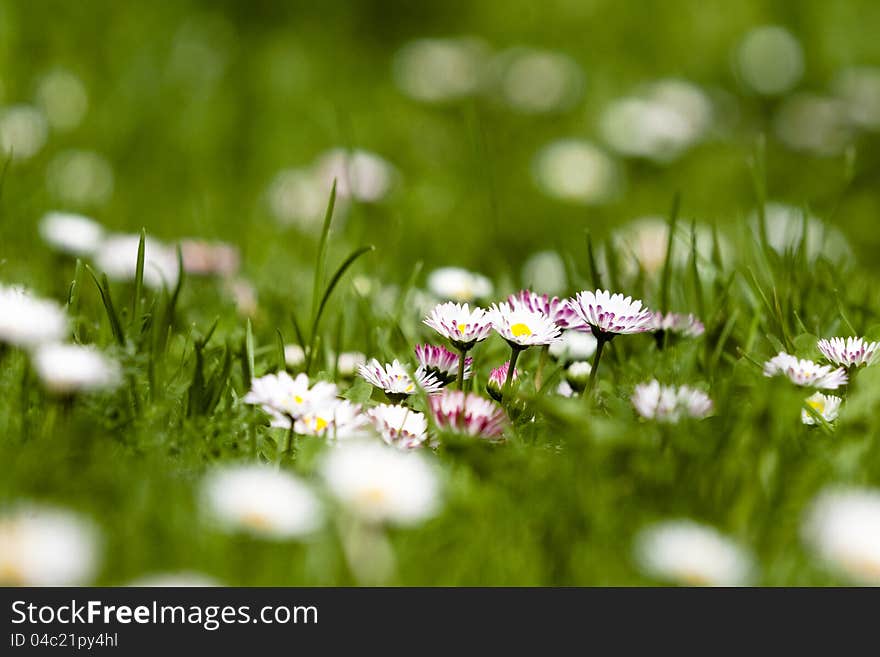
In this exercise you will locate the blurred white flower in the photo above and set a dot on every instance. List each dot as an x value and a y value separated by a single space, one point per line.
816 124
244 295
438 70
347 363
577 171
80 178
670 404
574 346
296 197
535 81
545 271
261 500
183 579
335 419
691 554
564 389
63 97
44 546
284 397
379 484
294 355
460 285
28 321
859 90
118 257
359 174
842 526
204 258
71 233
785 229
806 373
23 131
770 60
827 406
66 368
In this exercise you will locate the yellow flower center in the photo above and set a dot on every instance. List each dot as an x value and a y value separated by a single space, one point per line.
462 328
320 424
298 399
373 496
256 520
520 330
817 405
691 578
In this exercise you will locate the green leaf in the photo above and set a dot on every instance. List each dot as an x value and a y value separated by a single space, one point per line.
138 279
107 299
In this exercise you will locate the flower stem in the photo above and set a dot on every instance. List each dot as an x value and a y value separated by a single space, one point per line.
542 362
511 368
288 451
461 359
600 343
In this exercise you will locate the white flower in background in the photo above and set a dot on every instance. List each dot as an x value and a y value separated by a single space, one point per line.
849 352
815 124
204 258
859 89
439 70
394 379
334 419
80 178
348 362
574 346
662 403
686 325
399 426
359 174
564 389
576 171
71 233
770 60
577 374
459 324
23 131
461 285
28 321
685 552
611 314
687 99
536 81
294 355
380 485
117 257
63 97
65 369
183 579
785 229
842 526
803 372
284 397
44 546
261 500
827 406
296 197
521 327
545 270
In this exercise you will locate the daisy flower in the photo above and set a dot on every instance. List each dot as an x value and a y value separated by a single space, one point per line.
459 285
842 527
347 363
399 426
670 404
804 372
67 368
294 355
578 375
459 324
203 258
335 419
687 325
469 414
564 389
27 321
261 500
555 309
574 345
396 381
71 233
523 328
118 255
380 485
441 363
827 406
498 378
286 398
691 554
849 352
45 546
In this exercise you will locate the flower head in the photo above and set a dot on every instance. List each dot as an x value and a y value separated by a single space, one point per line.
555 309
804 372
611 314
261 500
118 256
578 374
441 363
654 401
468 414
687 325
203 258
334 419
394 379
68 368
285 398
28 321
399 426
827 406
347 363
688 553
521 327
574 345
71 233
382 485
459 324
842 527
849 352
459 285
497 378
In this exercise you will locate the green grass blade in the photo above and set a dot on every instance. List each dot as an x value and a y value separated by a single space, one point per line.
322 253
667 263
138 279
103 286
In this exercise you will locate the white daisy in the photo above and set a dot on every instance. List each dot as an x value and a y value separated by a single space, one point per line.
359 174
557 310
347 363
379 484
204 258
294 355
44 546
118 254
521 327
827 406
804 372
459 324
71 233
28 321
670 404
399 426
686 325
691 554
611 314
849 352
842 526
261 500
441 363
334 419
460 285
285 398
578 374
67 368
394 379
468 414
574 345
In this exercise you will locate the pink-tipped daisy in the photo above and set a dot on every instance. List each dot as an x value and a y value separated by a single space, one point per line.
611 314
849 352
497 377
804 372
670 404
468 414
521 327
441 362
687 325
555 309
286 398
394 379
399 426
462 326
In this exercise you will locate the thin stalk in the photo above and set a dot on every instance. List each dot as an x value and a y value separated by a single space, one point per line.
600 343
288 450
511 368
462 353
